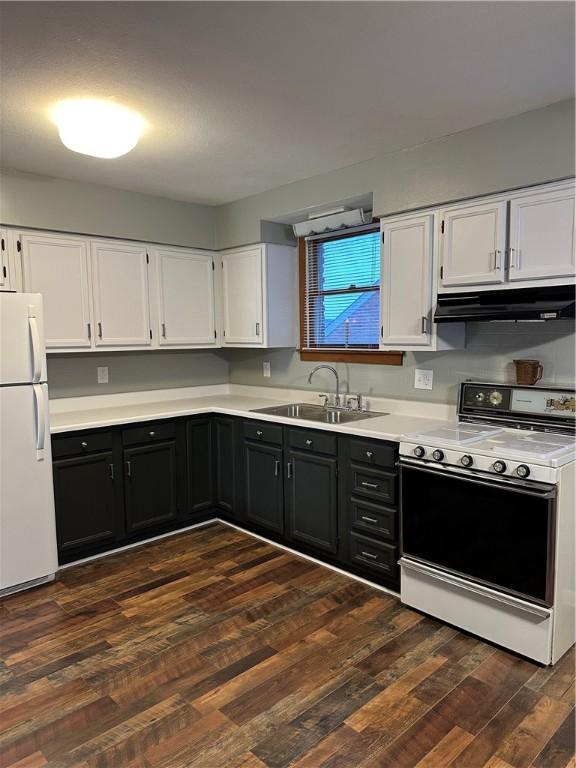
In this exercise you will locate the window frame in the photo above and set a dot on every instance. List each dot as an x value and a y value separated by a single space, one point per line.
366 356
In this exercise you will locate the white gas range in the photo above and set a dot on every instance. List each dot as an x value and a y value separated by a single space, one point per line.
487 506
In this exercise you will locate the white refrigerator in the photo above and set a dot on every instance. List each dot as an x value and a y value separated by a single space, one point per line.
28 553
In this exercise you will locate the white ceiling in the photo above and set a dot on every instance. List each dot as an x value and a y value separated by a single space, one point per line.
246 96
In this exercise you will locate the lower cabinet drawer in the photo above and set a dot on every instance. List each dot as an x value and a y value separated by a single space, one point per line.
79 445
151 433
373 519
374 483
375 555
319 442
263 432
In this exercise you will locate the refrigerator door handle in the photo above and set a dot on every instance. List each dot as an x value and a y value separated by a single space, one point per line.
39 397
36 351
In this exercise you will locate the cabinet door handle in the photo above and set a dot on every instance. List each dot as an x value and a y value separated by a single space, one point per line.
111 468
369 485
89 331
424 324
100 330
289 470
129 469
369 519
512 258
369 555
163 330
276 468
498 259
257 329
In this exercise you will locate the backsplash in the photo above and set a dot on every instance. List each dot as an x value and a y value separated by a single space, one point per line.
74 375
490 349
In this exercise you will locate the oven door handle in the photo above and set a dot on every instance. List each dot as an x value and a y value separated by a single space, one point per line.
536 610
542 491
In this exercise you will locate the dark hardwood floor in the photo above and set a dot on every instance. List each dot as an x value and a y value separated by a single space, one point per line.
212 649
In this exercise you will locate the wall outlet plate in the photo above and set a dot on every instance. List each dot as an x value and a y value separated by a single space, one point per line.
102 374
423 379
266 369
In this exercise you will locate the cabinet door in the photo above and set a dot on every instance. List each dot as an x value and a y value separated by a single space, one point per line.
57 267
473 244
150 486
406 291
225 464
200 465
185 297
542 243
4 277
312 500
86 513
242 277
120 280
264 502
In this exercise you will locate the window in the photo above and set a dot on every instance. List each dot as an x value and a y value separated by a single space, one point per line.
340 297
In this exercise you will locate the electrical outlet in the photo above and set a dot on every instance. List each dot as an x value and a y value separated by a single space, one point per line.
266 369
102 374
423 379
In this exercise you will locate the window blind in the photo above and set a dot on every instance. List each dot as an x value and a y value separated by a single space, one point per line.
342 291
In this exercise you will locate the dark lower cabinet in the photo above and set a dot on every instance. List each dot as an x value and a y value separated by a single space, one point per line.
312 500
264 496
150 486
200 466
87 514
225 464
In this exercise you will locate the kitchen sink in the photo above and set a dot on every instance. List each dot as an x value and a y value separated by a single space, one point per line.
318 413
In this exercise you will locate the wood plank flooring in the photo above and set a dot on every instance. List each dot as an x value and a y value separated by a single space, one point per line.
212 649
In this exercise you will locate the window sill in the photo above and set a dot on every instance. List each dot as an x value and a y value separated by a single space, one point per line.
365 357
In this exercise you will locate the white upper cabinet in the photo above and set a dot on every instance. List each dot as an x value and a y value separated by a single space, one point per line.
474 244
185 293
120 284
259 296
406 286
542 241
242 295
4 275
57 267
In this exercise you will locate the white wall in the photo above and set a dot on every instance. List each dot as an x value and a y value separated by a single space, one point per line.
42 202
531 148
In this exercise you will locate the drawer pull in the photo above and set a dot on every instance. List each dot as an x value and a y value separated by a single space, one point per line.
369 519
309 442
259 432
369 555
369 485
152 434
84 445
369 454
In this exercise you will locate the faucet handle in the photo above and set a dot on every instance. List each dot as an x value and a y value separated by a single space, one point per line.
326 399
358 399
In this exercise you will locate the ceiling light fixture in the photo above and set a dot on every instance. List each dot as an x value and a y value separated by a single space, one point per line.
97 128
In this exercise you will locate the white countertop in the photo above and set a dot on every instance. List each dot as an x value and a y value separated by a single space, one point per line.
72 414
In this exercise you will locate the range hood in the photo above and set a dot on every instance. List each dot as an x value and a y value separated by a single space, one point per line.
546 303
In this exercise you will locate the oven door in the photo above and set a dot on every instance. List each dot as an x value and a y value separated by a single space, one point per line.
493 531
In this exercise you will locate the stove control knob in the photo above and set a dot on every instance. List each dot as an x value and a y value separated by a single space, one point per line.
438 455
522 470
499 466
466 460
419 452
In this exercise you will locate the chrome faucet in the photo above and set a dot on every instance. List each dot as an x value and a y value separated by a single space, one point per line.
335 372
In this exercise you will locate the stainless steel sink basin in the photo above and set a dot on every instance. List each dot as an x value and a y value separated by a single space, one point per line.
318 413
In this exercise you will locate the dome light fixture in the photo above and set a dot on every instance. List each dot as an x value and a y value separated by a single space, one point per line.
96 127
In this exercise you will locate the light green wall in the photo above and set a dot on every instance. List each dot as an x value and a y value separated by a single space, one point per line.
488 356
531 148
42 202
73 375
